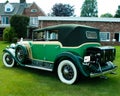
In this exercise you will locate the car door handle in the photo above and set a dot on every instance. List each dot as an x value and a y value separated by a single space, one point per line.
57 46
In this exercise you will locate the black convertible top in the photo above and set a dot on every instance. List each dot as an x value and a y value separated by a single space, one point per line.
72 34
62 27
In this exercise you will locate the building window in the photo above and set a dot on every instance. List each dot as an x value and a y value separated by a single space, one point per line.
117 36
104 36
9 7
5 20
8 10
34 21
33 10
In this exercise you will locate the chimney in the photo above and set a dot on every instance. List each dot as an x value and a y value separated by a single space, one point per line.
22 1
6 2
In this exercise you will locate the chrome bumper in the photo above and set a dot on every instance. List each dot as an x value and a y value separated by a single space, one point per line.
102 73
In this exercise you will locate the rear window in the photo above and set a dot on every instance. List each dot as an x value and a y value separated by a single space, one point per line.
91 34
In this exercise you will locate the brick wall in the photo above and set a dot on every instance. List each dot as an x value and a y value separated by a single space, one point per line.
103 26
28 12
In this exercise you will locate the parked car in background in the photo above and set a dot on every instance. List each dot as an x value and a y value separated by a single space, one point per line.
70 50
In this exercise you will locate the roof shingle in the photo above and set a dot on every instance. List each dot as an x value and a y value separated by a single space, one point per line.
18 8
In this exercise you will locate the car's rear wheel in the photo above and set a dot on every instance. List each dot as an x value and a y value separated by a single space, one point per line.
67 72
8 60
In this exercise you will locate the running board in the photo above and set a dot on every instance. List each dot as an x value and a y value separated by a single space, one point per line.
37 67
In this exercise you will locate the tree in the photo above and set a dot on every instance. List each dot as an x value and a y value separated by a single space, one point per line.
20 23
89 9
62 10
117 15
108 15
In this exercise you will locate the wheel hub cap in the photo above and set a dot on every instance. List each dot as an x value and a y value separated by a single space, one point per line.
68 72
65 71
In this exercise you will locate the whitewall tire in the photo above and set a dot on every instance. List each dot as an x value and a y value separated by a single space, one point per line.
8 60
67 72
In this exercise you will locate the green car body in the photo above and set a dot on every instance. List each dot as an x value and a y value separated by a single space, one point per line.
67 49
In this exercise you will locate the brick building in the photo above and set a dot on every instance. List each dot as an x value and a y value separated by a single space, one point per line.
7 10
109 27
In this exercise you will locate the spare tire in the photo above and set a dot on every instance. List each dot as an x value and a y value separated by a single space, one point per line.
21 53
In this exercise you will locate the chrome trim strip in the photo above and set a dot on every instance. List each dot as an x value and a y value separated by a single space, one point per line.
42 68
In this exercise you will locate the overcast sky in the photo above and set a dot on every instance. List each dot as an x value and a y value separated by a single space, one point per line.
104 6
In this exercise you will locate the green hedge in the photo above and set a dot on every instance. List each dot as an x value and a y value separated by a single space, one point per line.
9 34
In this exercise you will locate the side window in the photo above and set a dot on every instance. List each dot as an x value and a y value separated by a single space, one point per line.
104 36
46 36
91 35
51 35
38 36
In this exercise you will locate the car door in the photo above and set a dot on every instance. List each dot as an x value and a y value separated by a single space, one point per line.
52 48
38 50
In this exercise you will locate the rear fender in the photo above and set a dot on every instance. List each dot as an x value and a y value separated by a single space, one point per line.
75 58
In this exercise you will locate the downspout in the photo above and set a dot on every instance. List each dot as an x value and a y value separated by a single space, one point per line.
41 24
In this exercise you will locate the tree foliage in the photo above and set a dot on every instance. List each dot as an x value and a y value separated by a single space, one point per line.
20 23
108 15
62 10
89 9
117 15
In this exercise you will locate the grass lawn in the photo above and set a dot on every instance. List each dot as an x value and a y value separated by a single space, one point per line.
20 81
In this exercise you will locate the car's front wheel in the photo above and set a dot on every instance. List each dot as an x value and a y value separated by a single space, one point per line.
20 54
67 72
8 60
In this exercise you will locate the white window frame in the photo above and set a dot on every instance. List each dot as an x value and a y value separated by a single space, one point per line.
34 21
9 6
5 20
106 37
118 37
33 10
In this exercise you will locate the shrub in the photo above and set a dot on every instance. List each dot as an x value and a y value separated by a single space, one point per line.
9 34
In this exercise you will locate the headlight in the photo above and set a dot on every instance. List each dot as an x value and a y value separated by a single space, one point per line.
12 45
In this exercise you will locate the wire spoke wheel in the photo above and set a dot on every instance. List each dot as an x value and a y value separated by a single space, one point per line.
8 60
67 72
20 54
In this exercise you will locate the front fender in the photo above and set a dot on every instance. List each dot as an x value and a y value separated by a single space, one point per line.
11 51
75 58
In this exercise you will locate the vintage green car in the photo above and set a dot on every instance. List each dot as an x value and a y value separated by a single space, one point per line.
70 50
